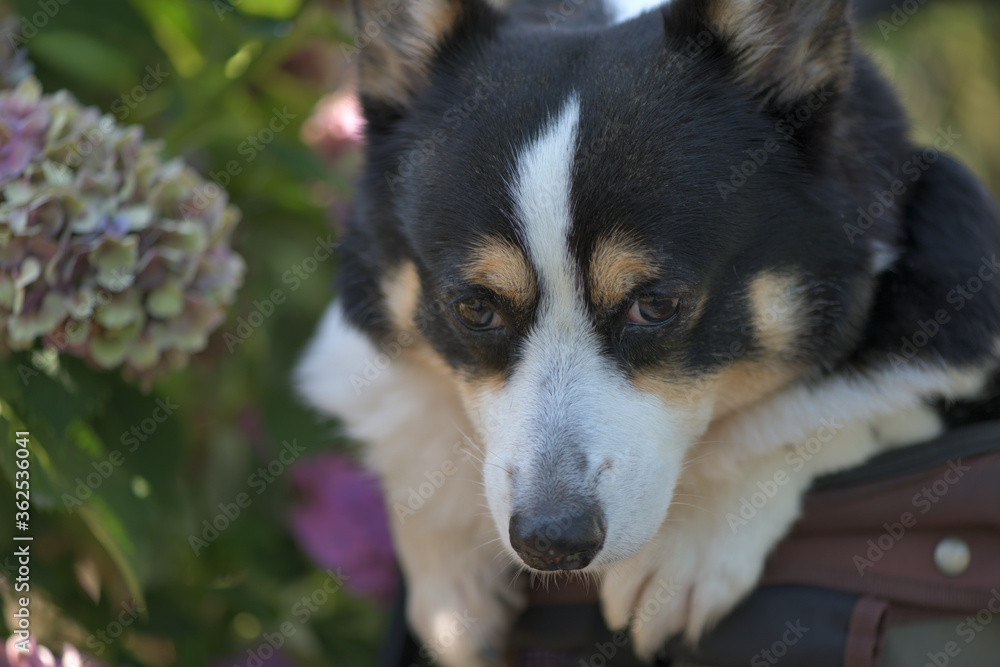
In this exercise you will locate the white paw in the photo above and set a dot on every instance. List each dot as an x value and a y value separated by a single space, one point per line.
462 614
678 585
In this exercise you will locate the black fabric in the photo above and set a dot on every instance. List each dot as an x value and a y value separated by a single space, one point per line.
794 625
961 442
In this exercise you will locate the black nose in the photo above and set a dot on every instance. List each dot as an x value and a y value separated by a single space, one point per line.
553 542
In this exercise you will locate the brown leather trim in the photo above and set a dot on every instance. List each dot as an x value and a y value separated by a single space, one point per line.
864 633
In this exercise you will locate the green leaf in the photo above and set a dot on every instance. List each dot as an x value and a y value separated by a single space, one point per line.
83 57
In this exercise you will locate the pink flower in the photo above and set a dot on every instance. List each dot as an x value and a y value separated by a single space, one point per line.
340 522
335 125
39 656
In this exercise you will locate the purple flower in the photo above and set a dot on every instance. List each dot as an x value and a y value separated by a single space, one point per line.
22 132
340 522
39 656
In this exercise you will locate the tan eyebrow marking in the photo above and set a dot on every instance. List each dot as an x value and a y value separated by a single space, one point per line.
617 266
502 267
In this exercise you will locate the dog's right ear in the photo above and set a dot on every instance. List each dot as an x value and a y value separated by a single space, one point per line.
400 40
786 49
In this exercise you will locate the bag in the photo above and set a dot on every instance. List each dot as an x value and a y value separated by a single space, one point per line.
893 564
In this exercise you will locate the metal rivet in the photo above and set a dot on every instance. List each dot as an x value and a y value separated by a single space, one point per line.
952 556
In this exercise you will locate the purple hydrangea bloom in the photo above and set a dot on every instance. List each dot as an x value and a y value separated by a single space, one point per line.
112 254
341 523
22 134
39 656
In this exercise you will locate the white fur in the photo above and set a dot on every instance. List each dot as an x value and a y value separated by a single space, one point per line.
415 427
795 412
565 399
709 564
414 422
624 10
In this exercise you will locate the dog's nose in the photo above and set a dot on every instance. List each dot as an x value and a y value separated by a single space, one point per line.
567 542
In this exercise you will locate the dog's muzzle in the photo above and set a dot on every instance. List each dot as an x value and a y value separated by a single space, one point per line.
553 541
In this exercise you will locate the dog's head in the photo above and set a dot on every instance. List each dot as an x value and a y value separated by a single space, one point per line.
612 235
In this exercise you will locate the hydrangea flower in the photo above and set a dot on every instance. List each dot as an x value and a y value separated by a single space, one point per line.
107 251
39 656
340 522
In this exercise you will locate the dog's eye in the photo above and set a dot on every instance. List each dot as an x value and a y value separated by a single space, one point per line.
650 311
477 315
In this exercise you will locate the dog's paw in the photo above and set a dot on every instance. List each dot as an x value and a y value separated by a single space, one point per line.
672 587
463 613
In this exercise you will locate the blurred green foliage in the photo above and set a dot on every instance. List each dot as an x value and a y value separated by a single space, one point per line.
207 76
945 62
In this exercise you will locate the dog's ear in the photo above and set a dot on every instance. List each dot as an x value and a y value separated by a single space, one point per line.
786 49
399 41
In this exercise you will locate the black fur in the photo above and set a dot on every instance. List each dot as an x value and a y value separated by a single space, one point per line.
665 120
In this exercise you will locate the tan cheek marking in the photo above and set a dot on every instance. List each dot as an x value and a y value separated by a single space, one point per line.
777 311
618 266
745 383
402 294
685 395
503 268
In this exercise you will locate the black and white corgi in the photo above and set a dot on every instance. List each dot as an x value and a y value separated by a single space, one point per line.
617 267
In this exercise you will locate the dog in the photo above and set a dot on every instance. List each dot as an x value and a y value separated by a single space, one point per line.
617 267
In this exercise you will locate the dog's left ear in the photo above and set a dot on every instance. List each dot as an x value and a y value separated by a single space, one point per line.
786 49
399 41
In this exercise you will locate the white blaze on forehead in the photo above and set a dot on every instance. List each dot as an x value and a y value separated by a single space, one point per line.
624 10
542 196
567 412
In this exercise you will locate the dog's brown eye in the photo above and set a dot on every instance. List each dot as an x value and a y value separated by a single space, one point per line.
653 310
477 314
